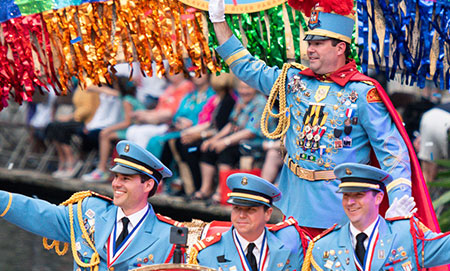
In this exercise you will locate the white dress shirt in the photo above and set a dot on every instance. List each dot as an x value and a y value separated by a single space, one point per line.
368 231
257 250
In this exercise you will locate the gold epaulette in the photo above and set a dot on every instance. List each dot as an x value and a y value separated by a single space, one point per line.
299 66
169 220
283 224
202 244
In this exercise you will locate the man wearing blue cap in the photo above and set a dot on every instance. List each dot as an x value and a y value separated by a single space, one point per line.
248 244
118 234
369 242
329 114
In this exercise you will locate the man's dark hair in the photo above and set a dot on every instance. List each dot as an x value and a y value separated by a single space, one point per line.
375 192
347 52
145 178
266 207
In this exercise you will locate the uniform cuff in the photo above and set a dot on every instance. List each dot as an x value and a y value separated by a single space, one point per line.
231 47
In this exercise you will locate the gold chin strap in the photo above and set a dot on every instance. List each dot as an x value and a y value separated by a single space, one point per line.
283 115
95 259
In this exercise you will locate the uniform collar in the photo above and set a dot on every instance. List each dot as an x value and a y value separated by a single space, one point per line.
244 243
368 231
340 76
134 218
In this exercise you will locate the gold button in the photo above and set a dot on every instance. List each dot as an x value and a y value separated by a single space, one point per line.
111 268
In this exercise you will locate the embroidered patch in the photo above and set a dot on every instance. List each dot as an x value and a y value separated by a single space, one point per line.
373 97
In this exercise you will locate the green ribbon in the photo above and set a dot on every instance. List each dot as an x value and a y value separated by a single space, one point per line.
28 7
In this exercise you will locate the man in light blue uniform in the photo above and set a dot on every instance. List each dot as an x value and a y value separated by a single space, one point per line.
369 242
330 113
248 244
118 234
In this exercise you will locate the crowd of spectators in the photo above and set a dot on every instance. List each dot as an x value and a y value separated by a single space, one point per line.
200 126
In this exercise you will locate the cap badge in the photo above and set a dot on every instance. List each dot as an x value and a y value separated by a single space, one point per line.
348 171
244 181
127 148
314 19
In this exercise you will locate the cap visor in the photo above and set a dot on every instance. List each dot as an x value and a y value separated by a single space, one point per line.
315 37
124 170
245 202
352 189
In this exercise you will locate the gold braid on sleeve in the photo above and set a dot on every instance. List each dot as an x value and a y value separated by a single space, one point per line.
95 259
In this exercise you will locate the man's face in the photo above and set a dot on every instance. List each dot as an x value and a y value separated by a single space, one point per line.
130 193
324 57
361 207
250 221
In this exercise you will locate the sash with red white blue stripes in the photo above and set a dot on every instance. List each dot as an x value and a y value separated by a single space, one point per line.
262 256
114 252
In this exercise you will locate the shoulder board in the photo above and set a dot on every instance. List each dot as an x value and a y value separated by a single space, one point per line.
399 218
97 195
325 232
299 66
283 224
169 220
202 244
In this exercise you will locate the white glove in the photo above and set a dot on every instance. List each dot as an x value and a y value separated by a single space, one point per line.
401 207
216 10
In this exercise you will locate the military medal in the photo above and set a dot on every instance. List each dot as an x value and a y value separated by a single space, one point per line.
321 93
353 96
296 84
337 142
407 266
320 161
329 264
381 254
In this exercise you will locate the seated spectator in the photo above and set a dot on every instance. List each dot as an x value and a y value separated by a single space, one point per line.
222 149
42 112
186 115
213 116
126 90
60 132
108 113
156 121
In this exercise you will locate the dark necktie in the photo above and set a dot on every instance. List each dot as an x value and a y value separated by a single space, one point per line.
124 232
360 249
251 257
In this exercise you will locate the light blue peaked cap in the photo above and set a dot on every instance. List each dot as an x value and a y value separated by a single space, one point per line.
324 25
133 159
251 190
359 177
